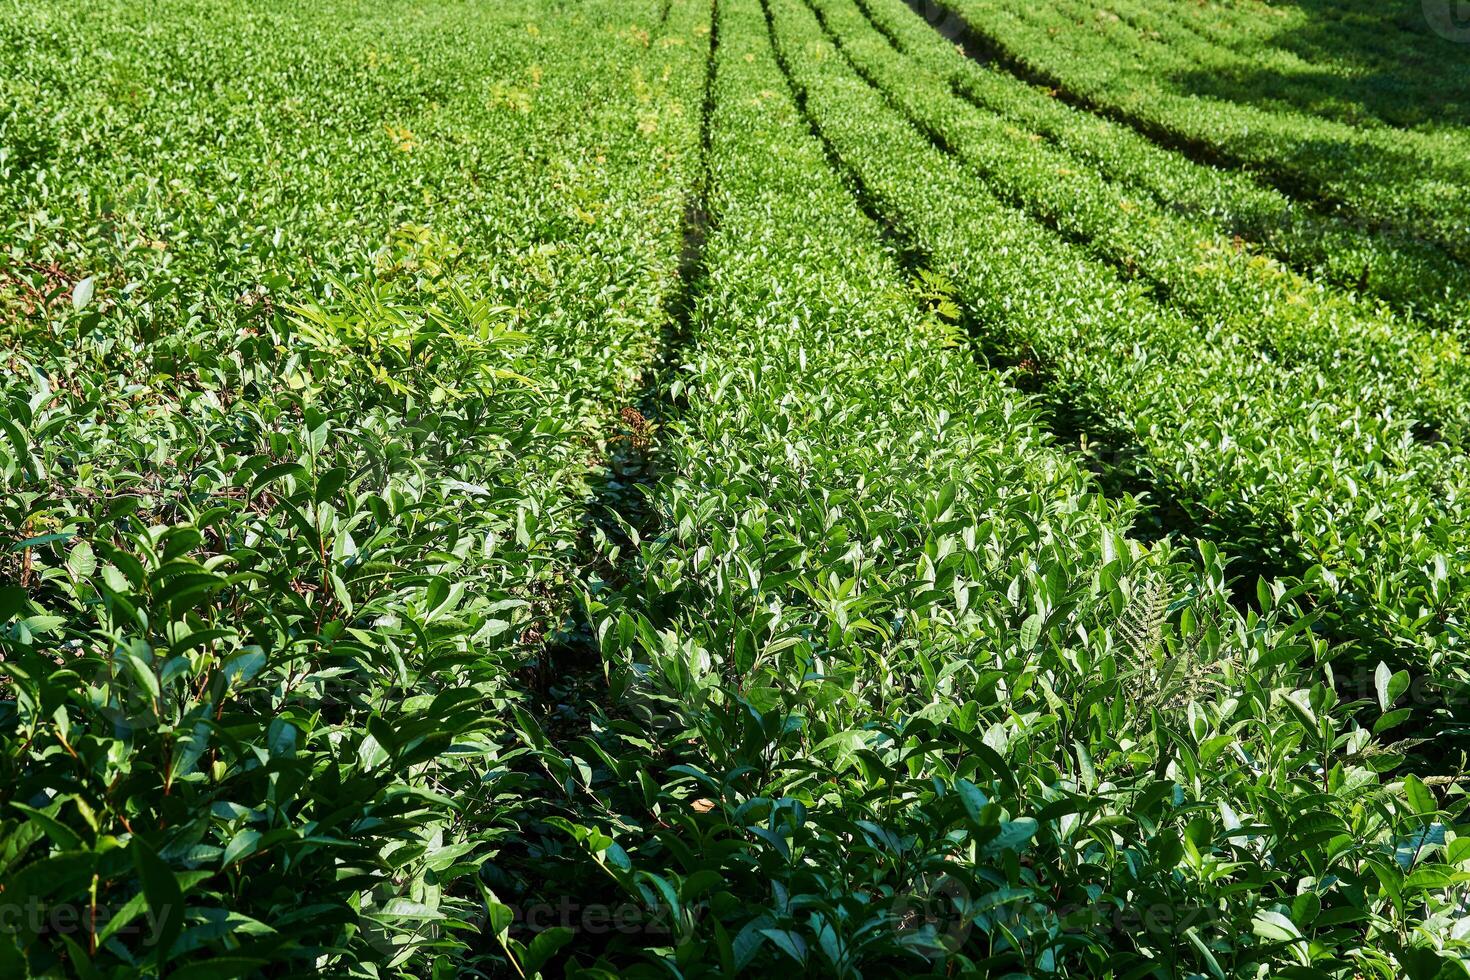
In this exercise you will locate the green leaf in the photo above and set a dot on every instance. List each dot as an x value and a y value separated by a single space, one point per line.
145 675
281 738
80 561
273 473
61 835
543 947
1421 799
789 942
973 799
1275 927
130 911
1299 703
13 602
1381 676
1014 834
165 898
81 293
1031 631
242 845
1272 926
1392 719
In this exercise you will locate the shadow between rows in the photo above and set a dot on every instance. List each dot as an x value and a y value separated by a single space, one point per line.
569 691
1121 466
988 51
1111 454
1156 289
1405 63
622 485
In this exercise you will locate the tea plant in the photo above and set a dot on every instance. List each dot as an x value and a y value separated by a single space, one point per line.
1262 452
1386 177
290 514
707 487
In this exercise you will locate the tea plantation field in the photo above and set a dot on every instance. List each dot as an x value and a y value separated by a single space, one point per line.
683 488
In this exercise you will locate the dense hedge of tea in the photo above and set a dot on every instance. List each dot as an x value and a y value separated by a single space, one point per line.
307 317
695 488
1398 177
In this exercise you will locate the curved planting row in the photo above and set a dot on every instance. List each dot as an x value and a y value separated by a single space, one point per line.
521 490
1390 365
1274 72
307 313
893 690
1413 277
1389 49
1406 182
1281 460
1275 82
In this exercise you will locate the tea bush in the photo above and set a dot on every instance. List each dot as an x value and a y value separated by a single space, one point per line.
705 487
